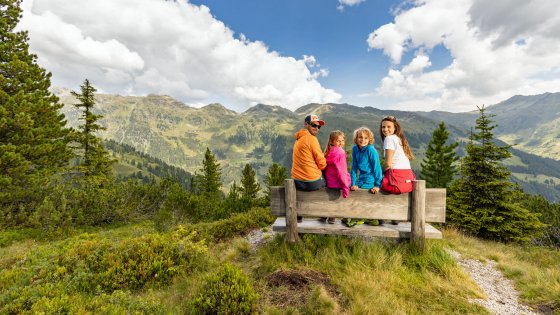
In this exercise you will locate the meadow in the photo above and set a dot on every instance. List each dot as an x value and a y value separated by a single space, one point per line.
136 269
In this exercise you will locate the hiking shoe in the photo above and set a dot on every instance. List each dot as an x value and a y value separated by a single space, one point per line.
344 220
360 222
351 223
331 220
394 222
299 219
373 222
381 222
323 220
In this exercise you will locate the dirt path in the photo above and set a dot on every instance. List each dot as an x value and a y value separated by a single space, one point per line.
502 298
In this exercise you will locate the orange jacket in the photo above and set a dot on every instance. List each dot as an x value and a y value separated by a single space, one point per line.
307 160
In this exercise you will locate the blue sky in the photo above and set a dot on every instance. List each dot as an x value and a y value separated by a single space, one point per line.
407 55
336 38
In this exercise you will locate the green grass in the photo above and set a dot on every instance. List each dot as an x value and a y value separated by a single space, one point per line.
375 277
319 275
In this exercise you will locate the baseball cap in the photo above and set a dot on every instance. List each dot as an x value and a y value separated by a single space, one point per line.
314 118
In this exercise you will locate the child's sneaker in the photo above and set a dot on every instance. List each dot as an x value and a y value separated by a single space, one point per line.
351 223
360 222
373 222
381 222
394 222
331 220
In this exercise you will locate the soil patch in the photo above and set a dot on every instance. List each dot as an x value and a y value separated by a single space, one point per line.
292 287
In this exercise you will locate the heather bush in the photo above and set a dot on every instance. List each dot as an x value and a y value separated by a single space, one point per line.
91 268
226 292
102 265
237 224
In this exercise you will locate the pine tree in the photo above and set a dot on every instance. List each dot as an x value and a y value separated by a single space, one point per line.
249 185
481 201
437 167
233 201
33 136
275 177
96 163
209 181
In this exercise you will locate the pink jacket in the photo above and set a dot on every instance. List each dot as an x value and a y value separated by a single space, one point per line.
336 172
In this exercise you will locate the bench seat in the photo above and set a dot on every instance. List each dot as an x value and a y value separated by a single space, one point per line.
314 226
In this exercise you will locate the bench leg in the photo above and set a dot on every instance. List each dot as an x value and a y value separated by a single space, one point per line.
418 215
291 211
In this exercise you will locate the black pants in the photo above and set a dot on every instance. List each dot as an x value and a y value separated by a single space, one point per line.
310 186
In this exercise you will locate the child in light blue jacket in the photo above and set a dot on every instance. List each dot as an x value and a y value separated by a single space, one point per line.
366 170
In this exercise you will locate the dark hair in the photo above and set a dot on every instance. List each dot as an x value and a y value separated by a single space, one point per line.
399 133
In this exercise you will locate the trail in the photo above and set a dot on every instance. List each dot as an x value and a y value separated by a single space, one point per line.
502 298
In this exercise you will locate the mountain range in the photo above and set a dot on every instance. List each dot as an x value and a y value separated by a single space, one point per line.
178 134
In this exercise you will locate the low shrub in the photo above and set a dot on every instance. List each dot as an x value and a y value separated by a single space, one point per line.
91 268
226 292
237 224
102 265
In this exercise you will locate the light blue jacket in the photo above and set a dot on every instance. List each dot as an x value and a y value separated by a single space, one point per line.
365 161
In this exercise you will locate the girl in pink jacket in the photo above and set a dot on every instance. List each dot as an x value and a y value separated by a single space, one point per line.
336 172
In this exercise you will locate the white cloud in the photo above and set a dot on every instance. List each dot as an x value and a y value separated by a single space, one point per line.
164 47
349 3
498 49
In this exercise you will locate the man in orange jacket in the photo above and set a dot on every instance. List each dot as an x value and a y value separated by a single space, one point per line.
308 160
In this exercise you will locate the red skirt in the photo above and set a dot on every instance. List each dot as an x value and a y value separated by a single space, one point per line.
398 181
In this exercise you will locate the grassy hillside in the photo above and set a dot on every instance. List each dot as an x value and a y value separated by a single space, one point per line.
135 269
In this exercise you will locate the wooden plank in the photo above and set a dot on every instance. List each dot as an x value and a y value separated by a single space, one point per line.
314 226
418 212
277 202
360 204
435 204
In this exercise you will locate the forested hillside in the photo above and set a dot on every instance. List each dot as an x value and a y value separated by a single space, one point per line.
132 164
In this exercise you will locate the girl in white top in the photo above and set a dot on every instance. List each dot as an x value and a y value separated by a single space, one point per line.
398 175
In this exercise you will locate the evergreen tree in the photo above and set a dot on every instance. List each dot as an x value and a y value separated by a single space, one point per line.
275 177
437 167
249 185
233 202
33 136
481 201
209 181
96 161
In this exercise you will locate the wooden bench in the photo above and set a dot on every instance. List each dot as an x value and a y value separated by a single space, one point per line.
418 207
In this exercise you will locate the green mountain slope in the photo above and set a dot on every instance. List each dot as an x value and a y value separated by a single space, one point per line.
178 134
132 164
531 123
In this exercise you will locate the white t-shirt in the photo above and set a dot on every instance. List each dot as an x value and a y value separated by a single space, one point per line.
400 160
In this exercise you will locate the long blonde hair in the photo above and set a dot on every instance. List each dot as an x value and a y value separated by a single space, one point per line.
332 137
399 133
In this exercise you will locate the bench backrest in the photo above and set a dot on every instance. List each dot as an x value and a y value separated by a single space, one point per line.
359 204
